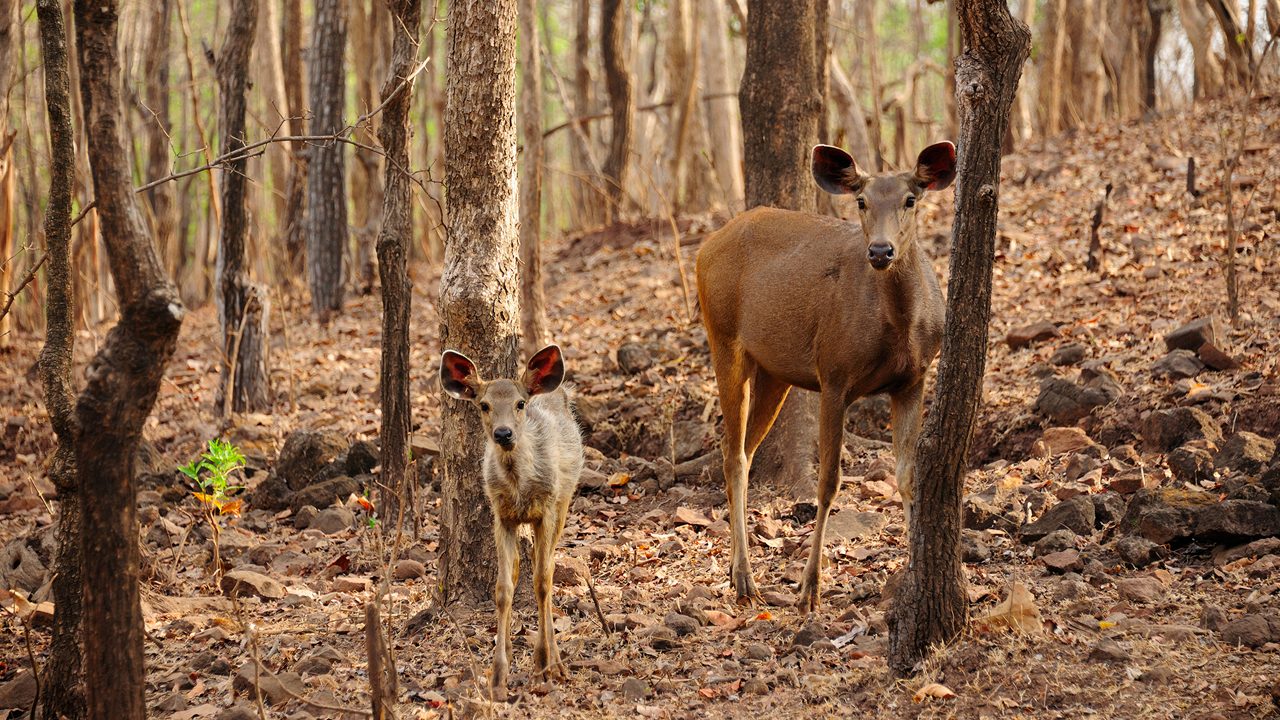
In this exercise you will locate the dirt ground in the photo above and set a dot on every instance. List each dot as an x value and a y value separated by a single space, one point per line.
654 542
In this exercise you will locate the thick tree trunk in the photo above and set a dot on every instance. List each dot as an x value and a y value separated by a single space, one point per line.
723 126
123 381
395 242
780 90
1198 24
294 219
62 686
931 605
621 101
242 307
326 171
479 289
533 301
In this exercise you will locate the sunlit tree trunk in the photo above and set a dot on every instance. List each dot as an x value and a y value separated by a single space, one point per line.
618 81
723 125
293 222
533 302
326 172
1198 24
10 40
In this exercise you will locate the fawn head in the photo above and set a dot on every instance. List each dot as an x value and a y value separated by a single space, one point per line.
886 203
502 403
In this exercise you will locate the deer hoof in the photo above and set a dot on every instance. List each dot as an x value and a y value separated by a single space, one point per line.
498 689
746 590
808 601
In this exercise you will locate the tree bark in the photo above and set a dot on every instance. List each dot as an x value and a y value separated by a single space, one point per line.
366 189
1240 64
123 381
162 198
479 289
852 120
395 242
723 125
242 307
62 686
1199 28
930 605
294 219
780 90
1156 10
533 301
586 194
621 102
10 40
326 172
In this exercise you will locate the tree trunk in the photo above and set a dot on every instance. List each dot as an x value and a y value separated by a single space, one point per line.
1091 76
479 289
294 219
723 125
621 101
62 686
780 90
162 198
1240 62
268 68
1156 10
123 381
586 195
930 605
242 307
533 301
852 120
1199 27
366 184
326 171
10 39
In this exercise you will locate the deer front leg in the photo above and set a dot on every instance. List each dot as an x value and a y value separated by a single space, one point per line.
830 440
905 409
504 590
546 656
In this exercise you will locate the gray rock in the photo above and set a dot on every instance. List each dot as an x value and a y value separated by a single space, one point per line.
759 651
634 358
1140 589
849 525
325 493
1191 463
1026 335
242 583
361 458
1138 551
1065 402
1238 519
1063 561
1164 515
1108 507
981 513
305 453
21 567
1069 354
755 686
334 520
1164 430
19 691
1192 335
304 516
277 688
1178 365
1108 651
1252 631
635 689
1056 541
688 438
1244 452
1075 514
1213 617
973 548
407 569
681 624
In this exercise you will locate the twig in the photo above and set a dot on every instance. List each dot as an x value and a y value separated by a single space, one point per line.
475 671
591 587
11 295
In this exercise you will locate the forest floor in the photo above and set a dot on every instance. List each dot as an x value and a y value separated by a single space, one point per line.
1099 636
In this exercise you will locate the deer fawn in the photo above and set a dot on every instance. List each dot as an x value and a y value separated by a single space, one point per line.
795 299
531 469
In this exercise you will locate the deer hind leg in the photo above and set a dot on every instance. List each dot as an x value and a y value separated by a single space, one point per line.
508 574
733 371
546 656
905 409
830 440
767 395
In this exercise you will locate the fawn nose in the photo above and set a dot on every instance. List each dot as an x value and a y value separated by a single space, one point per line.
503 436
880 254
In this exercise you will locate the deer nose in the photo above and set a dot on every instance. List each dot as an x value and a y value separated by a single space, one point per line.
880 254
503 436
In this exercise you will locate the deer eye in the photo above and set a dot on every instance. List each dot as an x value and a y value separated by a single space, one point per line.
520 405
862 203
911 202
484 407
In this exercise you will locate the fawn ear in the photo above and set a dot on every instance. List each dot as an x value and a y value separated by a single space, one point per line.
459 376
936 166
836 172
545 371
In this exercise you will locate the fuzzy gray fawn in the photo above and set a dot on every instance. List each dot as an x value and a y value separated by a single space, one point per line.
793 299
532 463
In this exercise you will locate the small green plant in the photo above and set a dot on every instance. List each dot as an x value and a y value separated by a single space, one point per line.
212 475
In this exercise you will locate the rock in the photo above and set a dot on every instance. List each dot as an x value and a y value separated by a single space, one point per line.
1192 335
305 453
758 651
276 688
1055 541
1108 651
1257 548
635 689
1065 402
634 358
808 635
1251 631
1191 463
1069 354
755 686
687 437
172 703
681 624
304 516
362 458
1071 587
1213 617
1076 514
980 513
325 493
1163 515
334 520
1270 480
1028 334
237 712
19 691
689 516
1140 589
1108 507
1244 452
319 661
1131 481
242 583
1164 430
271 494
1177 365
1138 551
660 637
1215 358
1078 466
973 548
1064 561
1058 440
409 570
849 525
570 572
352 583
21 567
1238 519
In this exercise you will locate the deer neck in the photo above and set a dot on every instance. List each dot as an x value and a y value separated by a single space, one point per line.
902 288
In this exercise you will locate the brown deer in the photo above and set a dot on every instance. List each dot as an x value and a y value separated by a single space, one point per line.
815 302
532 463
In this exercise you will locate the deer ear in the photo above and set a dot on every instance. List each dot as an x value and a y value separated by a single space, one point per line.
936 166
545 371
459 376
835 171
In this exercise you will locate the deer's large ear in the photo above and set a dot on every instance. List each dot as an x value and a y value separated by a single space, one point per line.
936 166
459 376
545 371
835 171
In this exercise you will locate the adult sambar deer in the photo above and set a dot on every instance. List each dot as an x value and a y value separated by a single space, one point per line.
840 308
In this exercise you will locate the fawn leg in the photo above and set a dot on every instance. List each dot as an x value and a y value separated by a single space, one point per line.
830 440
546 657
504 590
905 409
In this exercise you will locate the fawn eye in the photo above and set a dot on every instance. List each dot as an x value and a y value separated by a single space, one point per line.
520 405
911 202
484 407
862 203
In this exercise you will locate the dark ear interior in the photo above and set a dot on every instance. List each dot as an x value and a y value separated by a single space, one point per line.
835 171
545 371
936 166
458 375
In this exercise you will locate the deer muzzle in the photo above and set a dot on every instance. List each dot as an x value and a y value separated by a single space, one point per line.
880 255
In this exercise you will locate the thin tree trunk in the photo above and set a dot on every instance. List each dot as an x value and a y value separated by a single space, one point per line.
10 40
586 196
366 184
294 220
930 605
268 67
123 381
621 101
326 172
1240 60
62 686
242 307
869 17
162 198
1156 10
852 120
479 289
395 242
723 125
533 301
